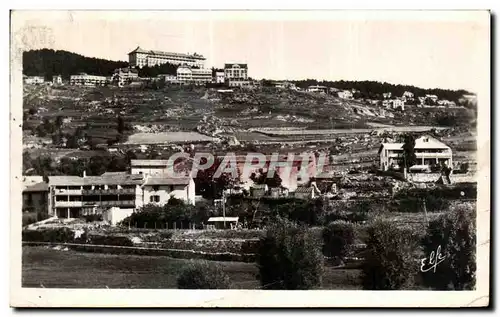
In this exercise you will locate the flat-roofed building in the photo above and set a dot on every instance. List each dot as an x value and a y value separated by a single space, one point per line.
88 80
187 75
75 196
141 57
34 80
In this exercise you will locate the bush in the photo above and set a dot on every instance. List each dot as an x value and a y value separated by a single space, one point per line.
32 217
92 218
110 240
338 237
455 235
62 235
289 257
203 275
389 263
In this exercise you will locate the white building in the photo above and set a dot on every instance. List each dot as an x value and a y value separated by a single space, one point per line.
317 88
34 80
168 78
408 95
398 103
432 97
186 75
237 72
122 76
285 85
141 57
88 80
428 150
75 196
387 95
57 80
220 77
345 94
239 83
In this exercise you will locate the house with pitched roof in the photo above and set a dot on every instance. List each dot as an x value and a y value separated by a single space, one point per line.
35 194
428 150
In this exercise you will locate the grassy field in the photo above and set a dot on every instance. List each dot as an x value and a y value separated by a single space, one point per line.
43 267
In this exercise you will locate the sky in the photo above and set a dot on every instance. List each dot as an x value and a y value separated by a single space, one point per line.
426 49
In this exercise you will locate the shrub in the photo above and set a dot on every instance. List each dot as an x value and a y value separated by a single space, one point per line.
94 217
62 235
455 235
389 263
110 240
203 275
289 257
338 237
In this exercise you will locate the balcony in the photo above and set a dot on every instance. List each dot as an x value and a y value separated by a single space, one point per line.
68 204
116 203
68 191
123 191
433 155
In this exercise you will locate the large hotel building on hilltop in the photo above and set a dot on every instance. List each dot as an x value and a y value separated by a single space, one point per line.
141 57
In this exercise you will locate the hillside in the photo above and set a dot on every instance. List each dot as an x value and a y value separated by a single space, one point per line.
46 62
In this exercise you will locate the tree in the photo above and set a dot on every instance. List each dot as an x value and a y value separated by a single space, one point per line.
409 157
98 165
209 186
454 234
120 125
289 257
389 262
338 237
59 122
203 275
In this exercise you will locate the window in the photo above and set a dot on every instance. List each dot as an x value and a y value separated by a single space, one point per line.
154 198
156 188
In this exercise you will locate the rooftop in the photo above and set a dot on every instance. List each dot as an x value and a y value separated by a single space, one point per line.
235 65
158 180
423 142
159 163
140 50
303 190
38 187
120 179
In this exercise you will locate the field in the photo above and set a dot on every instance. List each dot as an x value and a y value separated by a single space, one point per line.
43 267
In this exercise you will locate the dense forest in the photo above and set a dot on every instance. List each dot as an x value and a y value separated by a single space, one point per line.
375 89
48 62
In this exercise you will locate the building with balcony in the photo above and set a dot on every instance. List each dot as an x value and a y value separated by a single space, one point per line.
236 72
195 76
141 57
317 88
428 150
88 80
75 196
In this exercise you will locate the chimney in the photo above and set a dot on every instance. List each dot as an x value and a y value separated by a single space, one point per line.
84 173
